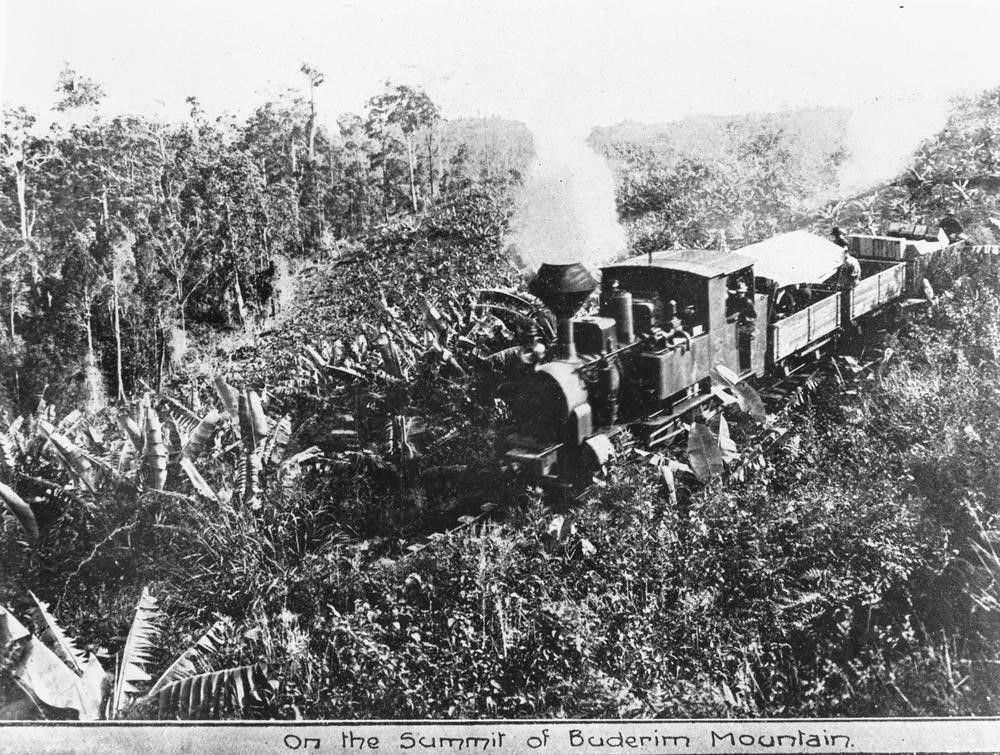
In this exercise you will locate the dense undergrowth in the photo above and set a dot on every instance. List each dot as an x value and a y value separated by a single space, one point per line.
854 575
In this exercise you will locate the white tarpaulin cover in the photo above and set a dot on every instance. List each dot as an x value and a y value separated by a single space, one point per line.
796 257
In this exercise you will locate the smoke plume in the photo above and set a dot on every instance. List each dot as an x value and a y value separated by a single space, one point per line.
565 211
882 138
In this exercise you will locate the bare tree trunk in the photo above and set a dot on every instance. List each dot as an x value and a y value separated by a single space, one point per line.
311 131
430 163
118 343
22 203
363 168
411 159
386 188
240 303
21 180
163 351
179 284
90 331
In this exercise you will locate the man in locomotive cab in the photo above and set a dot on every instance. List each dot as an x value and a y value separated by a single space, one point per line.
745 309
676 331
746 321
739 297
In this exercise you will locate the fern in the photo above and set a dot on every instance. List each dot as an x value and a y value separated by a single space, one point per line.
277 441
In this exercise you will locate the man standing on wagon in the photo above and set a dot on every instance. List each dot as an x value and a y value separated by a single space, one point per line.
850 271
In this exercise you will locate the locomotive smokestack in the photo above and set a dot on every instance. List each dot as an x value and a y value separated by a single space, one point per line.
563 289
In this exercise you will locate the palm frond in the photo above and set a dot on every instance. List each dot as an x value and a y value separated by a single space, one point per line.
253 421
505 359
187 663
189 417
130 428
277 441
70 455
154 452
197 481
210 694
52 634
45 679
228 397
248 479
201 435
136 653
66 424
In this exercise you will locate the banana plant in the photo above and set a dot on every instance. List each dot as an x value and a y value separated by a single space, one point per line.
56 680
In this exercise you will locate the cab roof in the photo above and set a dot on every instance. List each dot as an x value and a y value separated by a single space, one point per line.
707 263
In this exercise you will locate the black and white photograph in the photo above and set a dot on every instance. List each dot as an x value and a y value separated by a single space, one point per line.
499 361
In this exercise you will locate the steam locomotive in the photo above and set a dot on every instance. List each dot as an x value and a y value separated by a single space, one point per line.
667 320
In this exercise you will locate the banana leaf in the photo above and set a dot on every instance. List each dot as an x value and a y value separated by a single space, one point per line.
703 452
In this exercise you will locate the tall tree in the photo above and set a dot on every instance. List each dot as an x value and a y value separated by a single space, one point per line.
400 114
315 78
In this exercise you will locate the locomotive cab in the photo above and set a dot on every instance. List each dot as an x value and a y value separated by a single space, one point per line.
694 309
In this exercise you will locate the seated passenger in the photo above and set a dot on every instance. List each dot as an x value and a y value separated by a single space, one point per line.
785 303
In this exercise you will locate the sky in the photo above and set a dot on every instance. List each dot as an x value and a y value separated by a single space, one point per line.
577 63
